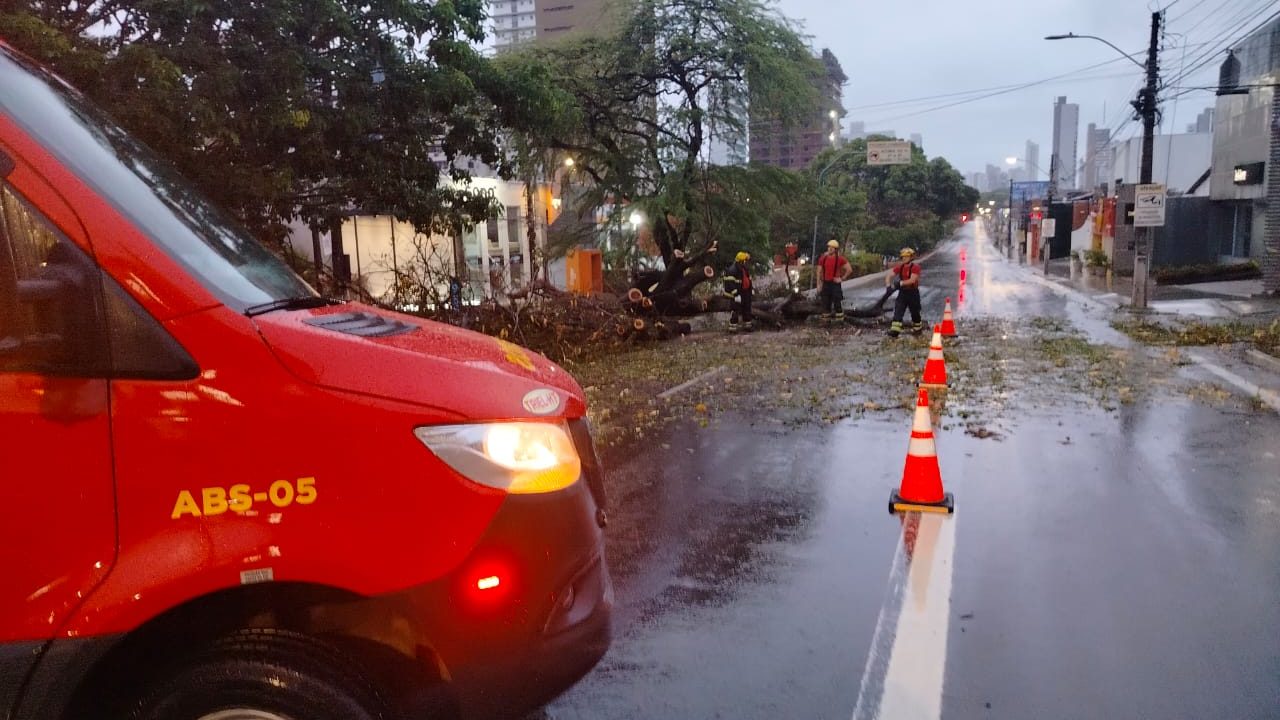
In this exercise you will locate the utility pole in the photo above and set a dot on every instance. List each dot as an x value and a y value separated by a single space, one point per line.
1271 238
1146 107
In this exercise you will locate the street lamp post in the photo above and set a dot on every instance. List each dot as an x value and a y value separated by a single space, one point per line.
813 252
1009 220
1145 105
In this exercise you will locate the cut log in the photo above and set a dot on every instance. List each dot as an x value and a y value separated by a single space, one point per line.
768 318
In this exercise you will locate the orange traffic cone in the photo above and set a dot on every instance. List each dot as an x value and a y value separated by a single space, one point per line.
948 320
935 368
921 489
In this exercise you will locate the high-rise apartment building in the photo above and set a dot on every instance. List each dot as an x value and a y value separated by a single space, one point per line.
1066 138
518 22
1097 157
918 140
1203 123
997 177
1032 157
795 149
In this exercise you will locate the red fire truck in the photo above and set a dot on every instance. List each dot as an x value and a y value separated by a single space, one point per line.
226 496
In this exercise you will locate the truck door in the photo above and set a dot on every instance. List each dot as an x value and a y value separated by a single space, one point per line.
57 497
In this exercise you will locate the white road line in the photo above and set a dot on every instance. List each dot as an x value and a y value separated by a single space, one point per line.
871 689
690 383
909 685
1270 398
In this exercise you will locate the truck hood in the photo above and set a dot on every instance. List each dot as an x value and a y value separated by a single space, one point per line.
461 374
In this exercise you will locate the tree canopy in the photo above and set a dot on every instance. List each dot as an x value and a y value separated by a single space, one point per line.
281 109
913 197
649 98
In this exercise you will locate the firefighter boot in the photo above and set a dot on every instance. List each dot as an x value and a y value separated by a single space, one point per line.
917 328
733 326
895 329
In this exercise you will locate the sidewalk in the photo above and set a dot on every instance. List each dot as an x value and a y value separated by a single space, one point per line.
1223 300
1251 372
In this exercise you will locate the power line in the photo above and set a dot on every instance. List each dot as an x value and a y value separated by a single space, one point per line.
1214 13
1188 11
1226 44
943 96
1223 40
1064 77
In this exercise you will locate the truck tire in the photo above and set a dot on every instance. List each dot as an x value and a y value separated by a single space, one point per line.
262 675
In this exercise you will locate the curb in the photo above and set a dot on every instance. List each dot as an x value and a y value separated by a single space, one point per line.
1065 288
1266 396
1261 359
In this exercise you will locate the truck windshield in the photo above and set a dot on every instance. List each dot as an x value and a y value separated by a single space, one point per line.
212 247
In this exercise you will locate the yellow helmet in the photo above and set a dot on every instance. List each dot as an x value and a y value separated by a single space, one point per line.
742 257
833 244
907 252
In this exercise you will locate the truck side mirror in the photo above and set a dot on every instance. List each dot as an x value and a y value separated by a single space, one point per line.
66 336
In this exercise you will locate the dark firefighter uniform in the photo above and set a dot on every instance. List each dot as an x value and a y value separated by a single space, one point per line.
906 276
737 285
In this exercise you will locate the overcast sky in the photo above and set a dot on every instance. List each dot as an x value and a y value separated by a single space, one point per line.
900 49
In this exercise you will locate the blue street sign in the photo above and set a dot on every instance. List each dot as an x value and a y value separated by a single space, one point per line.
1023 191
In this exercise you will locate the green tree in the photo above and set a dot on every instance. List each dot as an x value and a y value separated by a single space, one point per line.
906 205
281 109
649 97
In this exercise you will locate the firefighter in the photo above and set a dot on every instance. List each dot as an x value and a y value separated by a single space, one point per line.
737 285
833 269
906 277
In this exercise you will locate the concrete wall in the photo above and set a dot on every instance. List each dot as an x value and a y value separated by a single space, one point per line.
1178 161
1241 135
496 251
1191 235
1122 247
1270 251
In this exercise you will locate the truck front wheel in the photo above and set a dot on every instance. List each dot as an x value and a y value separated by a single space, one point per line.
262 675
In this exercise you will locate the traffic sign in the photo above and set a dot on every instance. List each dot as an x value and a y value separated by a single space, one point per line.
888 152
1148 206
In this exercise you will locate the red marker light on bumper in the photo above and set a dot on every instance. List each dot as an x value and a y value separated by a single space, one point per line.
488 583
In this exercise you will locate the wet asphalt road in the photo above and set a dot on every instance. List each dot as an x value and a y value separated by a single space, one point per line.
1132 571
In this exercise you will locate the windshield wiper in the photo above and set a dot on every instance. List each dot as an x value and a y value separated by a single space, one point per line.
295 303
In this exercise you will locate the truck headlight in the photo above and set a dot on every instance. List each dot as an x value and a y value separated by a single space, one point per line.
518 457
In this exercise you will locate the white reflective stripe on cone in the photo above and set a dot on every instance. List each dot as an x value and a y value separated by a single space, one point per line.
922 447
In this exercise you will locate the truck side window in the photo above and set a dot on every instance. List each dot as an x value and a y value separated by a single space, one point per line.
51 318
